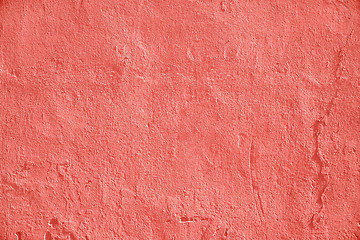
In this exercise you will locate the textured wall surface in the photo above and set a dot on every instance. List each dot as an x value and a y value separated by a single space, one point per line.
179 119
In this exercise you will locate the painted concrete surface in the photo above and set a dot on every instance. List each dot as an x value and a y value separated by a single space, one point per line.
182 119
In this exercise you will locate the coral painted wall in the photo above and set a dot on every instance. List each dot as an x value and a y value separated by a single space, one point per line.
181 119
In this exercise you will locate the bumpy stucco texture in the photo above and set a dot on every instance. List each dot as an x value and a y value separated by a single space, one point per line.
179 119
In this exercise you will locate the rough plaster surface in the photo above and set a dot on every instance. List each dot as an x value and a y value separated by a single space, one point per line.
181 119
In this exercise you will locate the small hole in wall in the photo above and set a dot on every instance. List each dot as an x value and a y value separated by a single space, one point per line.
53 222
18 235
